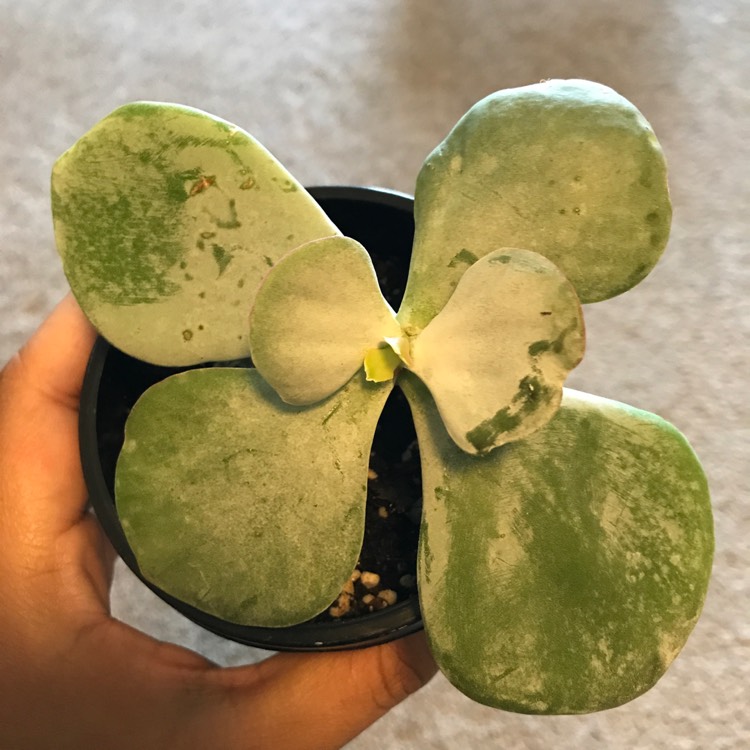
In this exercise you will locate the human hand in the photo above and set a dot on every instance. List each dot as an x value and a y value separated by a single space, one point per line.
71 676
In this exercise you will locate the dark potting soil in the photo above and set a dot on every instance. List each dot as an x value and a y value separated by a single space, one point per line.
386 571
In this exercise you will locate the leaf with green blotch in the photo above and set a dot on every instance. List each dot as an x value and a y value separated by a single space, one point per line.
496 356
167 219
562 573
316 316
568 169
215 513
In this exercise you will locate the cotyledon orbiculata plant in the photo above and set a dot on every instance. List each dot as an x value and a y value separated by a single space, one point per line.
566 539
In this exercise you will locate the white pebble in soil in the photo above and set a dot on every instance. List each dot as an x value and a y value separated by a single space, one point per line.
369 580
388 596
342 606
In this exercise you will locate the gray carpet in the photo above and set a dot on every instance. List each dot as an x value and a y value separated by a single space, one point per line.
359 92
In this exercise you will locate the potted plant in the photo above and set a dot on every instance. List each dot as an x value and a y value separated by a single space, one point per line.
566 540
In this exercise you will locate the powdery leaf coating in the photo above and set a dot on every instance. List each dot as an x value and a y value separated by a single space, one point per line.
316 316
496 356
216 514
568 169
562 573
167 219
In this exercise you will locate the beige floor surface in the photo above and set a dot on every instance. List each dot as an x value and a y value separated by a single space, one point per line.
359 92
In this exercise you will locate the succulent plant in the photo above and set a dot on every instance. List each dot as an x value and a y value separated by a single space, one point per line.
566 539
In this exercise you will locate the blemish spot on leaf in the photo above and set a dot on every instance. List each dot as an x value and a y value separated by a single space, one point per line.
484 434
501 260
183 265
240 283
532 393
247 184
269 261
538 347
176 184
546 312
577 211
562 212
463 256
201 185
200 327
208 235
187 334
653 217
201 245
202 295
290 236
556 346
188 277
232 222
331 413
222 257
289 187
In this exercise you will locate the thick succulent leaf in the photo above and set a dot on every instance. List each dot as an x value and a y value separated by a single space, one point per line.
569 169
316 316
218 507
562 573
496 356
167 219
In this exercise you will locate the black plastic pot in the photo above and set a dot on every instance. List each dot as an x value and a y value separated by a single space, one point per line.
383 222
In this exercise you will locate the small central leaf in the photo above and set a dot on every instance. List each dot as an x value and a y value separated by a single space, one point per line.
381 363
317 315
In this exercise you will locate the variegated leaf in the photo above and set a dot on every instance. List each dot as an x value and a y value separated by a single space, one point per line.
568 169
167 219
217 514
496 357
562 573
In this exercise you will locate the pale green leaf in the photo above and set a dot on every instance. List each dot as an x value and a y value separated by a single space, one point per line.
316 316
568 169
562 573
495 358
167 219
243 506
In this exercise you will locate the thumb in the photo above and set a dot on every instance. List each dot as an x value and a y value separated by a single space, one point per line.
316 701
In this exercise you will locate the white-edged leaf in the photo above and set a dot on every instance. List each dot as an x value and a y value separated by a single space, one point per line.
167 219
562 573
496 356
241 505
316 316
568 169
